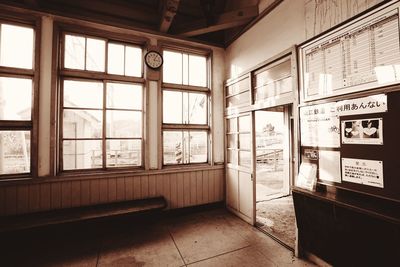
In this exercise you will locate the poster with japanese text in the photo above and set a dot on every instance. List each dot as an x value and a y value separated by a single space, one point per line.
319 126
362 171
364 132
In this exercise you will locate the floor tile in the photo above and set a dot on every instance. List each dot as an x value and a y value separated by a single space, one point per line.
150 247
205 237
248 257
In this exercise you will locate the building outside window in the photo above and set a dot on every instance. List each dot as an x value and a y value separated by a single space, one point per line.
102 103
185 108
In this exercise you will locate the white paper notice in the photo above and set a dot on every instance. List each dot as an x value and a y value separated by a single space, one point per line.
319 126
362 171
329 166
307 177
364 105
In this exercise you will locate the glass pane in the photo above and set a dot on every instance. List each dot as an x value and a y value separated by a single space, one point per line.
16 46
237 100
133 61
124 96
82 123
232 141
172 67
74 57
185 107
126 124
15 98
245 123
83 94
245 159
198 147
232 125
197 70
173 147
185 69
15 152
82 154
172 107
95 54
124 153
233 157
116 59
240 86
197 108
245 141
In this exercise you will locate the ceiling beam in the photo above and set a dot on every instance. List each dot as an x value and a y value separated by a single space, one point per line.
222 21
170 8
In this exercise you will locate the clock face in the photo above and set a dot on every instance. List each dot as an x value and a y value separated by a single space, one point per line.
153 59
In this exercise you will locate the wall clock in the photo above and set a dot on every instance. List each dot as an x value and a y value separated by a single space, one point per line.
153 59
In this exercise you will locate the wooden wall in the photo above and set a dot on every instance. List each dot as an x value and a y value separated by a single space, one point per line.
181 189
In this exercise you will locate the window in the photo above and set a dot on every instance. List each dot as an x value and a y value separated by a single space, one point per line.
102 104
17 94
185 108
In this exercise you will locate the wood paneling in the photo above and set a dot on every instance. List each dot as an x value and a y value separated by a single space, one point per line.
181 189
121 194
45 196
66 195
129 188
23 199
76 193
55 195
34 198
112 190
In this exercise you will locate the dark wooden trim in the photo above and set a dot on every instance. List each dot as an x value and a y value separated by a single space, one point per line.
99 76
183 127
17 72
102 174
55 97
184 88
112 26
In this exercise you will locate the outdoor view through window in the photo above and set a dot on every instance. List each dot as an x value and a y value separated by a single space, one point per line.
16 92
185 108
102 116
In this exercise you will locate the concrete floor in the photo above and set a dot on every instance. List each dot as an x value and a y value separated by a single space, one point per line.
207 238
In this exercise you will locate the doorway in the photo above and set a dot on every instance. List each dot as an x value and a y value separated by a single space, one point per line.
274 204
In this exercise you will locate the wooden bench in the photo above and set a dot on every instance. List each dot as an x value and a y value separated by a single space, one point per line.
26 221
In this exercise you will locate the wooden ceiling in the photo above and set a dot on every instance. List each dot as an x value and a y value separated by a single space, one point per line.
217 22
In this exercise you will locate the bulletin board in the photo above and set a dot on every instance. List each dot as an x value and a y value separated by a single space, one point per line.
355 143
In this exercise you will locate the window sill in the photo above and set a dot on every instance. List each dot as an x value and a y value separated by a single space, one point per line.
75 176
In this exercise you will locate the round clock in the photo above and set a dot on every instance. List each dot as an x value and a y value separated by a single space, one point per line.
153 59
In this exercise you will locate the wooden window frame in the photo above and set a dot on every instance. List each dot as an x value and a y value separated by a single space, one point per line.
33 22
104 78
180 87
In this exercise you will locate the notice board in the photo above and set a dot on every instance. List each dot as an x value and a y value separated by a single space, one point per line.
353 140
357 146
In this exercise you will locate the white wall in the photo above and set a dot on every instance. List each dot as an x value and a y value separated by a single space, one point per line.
276 32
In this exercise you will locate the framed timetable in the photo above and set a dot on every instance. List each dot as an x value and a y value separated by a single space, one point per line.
360 55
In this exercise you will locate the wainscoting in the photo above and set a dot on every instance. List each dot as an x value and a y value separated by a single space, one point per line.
181 188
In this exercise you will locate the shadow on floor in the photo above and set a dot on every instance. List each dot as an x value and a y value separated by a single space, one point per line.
207 238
